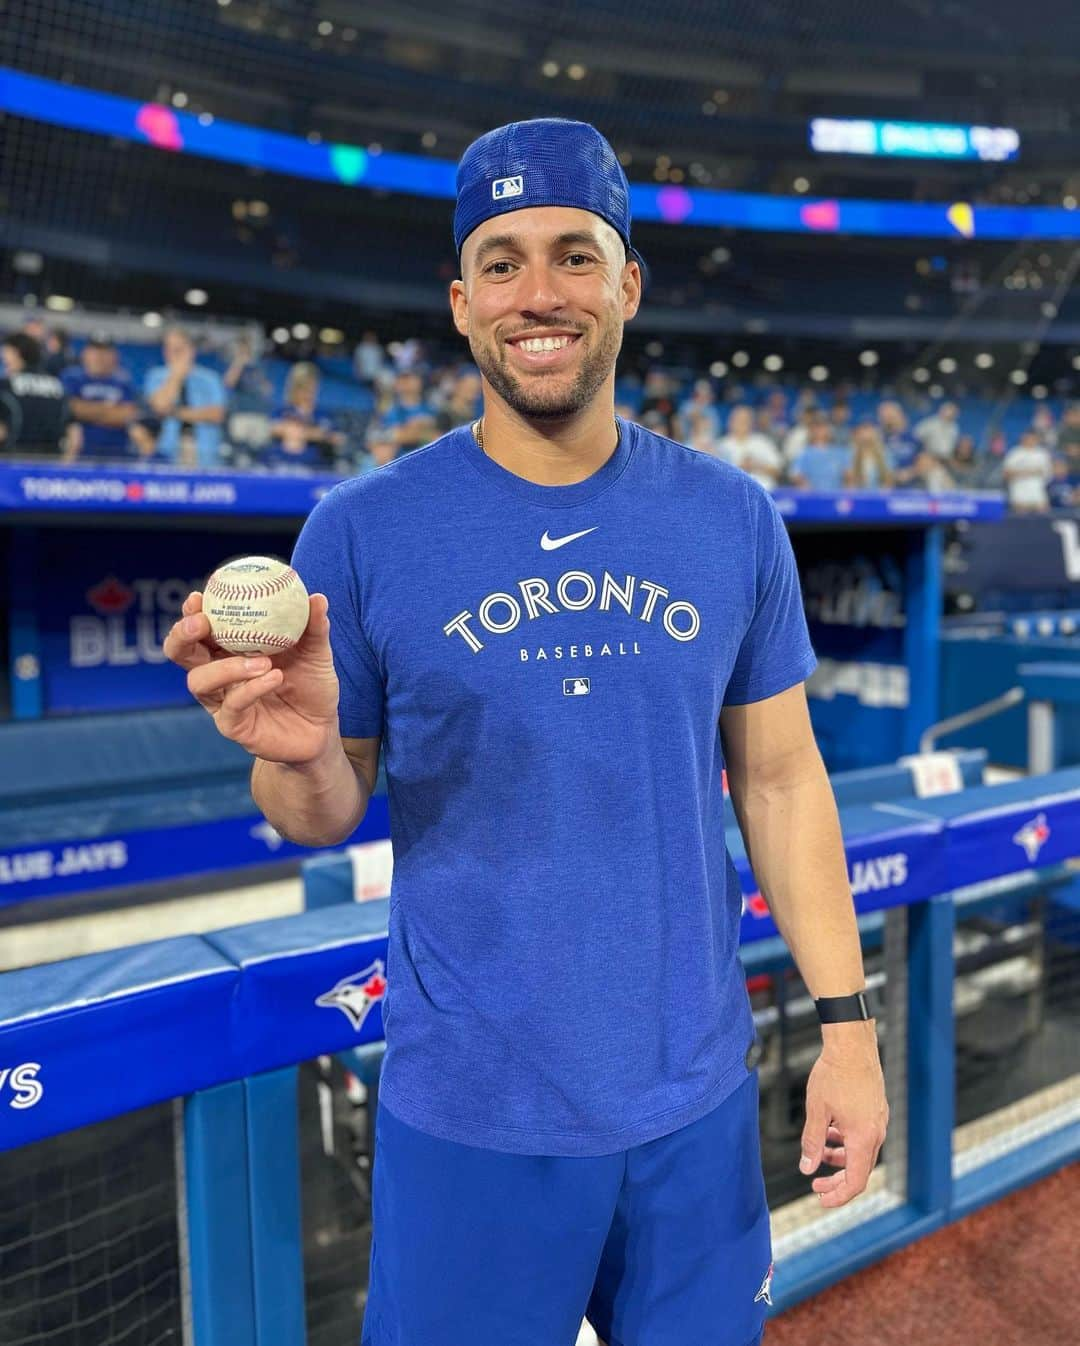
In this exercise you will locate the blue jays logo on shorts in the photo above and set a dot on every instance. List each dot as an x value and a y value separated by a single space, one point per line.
765 1293
357 995
501 188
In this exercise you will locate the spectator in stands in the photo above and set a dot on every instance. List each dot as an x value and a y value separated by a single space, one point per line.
465 402
248 385
796 438
822 465
939 432
774 419
409 416
906 458
658 402
1069 438
964 466
1063 490
840 419
102 403
55 345
869 464
302 435
699 412
755 453
186 402
381 447
700 431
370 364
33 408
250 398
1028 470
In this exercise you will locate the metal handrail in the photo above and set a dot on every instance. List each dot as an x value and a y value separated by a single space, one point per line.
966 718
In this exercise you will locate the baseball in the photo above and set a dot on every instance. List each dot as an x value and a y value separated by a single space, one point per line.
256 605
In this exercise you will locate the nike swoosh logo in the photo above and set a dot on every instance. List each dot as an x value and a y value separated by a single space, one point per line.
551 543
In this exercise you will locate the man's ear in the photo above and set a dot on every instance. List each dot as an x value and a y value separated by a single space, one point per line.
459 306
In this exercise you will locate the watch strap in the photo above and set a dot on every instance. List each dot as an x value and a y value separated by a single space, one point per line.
842 1009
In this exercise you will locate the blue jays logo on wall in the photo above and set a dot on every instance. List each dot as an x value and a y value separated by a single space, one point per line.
356 996
105 603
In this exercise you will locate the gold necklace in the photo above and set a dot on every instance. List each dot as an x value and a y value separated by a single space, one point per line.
478 433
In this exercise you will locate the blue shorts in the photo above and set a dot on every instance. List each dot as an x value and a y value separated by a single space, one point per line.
661 1245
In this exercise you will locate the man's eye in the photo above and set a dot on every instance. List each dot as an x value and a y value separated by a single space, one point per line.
579 258
490 269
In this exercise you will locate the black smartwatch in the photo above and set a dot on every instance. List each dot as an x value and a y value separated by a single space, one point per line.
843 1009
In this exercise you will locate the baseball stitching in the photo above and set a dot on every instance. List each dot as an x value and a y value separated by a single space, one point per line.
222 589
251 637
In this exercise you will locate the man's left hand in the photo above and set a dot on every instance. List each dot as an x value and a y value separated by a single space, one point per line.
846 1112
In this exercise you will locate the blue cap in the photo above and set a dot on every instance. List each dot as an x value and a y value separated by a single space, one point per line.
546 162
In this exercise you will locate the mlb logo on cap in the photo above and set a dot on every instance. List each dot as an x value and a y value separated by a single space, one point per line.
502 188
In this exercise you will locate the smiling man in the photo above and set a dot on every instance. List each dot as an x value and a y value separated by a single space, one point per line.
567 1116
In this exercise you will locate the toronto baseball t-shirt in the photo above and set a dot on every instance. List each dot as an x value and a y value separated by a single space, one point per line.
546 666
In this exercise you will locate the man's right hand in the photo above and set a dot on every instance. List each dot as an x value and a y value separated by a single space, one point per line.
281 708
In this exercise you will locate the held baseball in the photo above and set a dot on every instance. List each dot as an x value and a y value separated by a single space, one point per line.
256 605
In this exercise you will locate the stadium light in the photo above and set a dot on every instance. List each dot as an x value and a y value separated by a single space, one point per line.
1018 376
984 360
718 369
196 298
280 335
1040 391
947 365
773 363
819 373
921 375
331 335
301 331
1076 362
59 303
868 358
740 359
151 319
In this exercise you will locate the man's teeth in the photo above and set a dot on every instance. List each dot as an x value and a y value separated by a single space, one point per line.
539 344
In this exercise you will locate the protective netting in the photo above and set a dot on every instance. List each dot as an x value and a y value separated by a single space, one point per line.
89 1237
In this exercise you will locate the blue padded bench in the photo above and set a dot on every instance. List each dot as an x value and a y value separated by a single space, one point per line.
105 800
94 775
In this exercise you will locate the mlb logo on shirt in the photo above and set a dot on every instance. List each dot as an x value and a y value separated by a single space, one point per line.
576 687
502 188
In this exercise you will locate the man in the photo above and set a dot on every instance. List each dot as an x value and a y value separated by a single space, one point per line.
182 397
33 411
1027 471
409 417
747 448
102 401
938 433
564 627
822 465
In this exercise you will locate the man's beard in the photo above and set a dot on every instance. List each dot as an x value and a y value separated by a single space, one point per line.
533 399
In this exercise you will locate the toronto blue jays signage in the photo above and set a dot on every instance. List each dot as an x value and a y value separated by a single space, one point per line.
104 602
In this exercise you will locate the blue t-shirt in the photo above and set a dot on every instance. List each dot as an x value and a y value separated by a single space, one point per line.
547 666
901 449
202 388
823 468
101 441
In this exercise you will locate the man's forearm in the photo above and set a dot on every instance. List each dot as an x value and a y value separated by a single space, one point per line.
210 415
318 804
793 840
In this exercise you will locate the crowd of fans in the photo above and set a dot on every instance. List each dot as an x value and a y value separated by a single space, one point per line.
185 412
